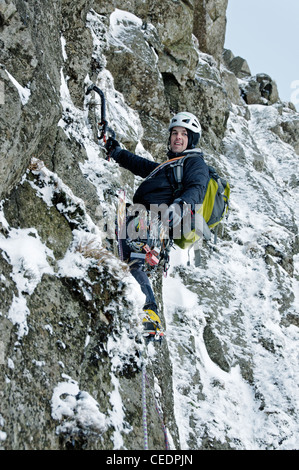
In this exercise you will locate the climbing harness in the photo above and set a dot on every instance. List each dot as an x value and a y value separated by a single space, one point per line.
148 240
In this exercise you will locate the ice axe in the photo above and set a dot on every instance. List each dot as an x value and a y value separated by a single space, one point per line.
104 123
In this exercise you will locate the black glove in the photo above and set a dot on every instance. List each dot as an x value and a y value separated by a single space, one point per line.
111 145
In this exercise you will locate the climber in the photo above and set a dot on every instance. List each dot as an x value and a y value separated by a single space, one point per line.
159 188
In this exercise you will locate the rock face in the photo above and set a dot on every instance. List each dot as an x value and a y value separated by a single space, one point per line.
71 353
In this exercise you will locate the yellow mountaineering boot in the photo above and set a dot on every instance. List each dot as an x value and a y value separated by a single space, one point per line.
153 330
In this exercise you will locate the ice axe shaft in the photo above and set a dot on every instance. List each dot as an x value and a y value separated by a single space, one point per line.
104 123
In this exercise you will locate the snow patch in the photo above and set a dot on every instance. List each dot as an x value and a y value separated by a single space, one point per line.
24 92
29 259
63 44
75 409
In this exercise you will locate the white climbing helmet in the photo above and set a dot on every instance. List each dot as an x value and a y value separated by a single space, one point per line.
187 120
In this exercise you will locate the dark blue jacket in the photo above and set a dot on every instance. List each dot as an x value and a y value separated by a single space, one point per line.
159 184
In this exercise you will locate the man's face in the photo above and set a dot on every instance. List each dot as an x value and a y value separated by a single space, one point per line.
178 139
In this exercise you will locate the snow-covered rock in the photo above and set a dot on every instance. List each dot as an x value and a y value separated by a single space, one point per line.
71 355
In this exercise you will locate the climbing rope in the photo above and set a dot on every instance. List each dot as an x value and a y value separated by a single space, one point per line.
144 409
160 417
145 381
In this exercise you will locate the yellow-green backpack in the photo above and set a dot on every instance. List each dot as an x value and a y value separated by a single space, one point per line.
215 204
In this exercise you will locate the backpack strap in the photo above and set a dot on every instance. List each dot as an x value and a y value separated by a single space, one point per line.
161 166
178 167
178 172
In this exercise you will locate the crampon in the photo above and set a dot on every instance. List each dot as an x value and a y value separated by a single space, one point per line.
152 328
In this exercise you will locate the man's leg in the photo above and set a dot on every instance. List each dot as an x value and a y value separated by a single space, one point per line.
145 285
151 321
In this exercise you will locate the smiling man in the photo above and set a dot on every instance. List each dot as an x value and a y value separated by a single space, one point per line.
178 139
160 188
185 132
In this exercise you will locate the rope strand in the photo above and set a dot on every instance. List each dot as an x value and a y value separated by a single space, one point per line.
144 409
160 417
145 381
